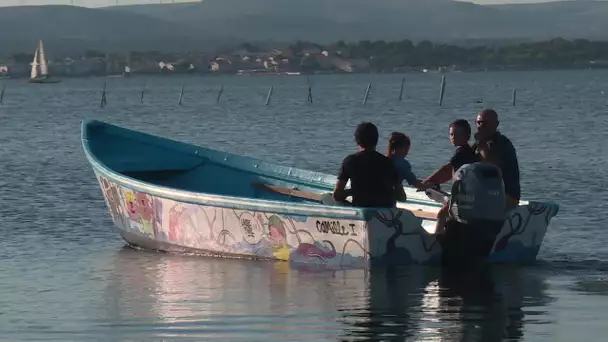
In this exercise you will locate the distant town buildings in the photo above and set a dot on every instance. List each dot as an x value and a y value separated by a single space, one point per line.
246 59
306 58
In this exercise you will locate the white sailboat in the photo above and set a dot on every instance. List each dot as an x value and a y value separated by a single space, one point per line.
40 70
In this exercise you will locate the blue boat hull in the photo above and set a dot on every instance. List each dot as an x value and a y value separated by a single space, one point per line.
176 197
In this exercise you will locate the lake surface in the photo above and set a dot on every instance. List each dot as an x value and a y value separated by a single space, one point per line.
66 275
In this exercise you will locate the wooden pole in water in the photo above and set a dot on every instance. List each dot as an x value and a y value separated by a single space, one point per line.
219 94
143 90
309 90
441 92
310 93
2 93
513 98
369 86
181 95
104 101
401 90
269 95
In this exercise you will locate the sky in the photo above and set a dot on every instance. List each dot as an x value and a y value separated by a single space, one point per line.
98 3
88 3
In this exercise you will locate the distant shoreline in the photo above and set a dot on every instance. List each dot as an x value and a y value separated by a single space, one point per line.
306 58
205 75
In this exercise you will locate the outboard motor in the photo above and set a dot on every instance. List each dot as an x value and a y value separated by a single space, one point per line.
476 214
478 194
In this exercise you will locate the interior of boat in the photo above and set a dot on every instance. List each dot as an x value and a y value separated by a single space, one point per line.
182 166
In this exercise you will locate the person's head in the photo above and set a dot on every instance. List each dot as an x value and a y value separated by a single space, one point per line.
366 136
487 123
398 145
460 132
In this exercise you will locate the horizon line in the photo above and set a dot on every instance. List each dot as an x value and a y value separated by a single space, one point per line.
113 3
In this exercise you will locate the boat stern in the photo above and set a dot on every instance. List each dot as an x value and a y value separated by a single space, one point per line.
398 237
523 232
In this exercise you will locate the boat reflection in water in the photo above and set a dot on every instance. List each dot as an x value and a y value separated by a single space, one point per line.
155 295
432 304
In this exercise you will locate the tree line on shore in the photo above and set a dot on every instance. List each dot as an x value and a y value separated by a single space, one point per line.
555 53
382 56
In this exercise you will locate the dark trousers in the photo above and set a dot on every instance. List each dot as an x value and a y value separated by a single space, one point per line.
467 245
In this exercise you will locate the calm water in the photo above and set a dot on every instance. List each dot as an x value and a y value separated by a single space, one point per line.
65 275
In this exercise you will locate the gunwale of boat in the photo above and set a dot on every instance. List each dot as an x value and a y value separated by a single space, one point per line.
416 200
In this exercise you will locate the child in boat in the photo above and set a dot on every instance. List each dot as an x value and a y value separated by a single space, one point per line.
460 133
397 150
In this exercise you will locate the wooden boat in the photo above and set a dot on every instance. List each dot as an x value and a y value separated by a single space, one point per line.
171 196
42 75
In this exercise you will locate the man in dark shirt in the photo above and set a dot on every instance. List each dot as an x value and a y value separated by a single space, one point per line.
373 177
502 150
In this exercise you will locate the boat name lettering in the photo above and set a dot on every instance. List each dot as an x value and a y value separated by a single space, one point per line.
335 228
246 224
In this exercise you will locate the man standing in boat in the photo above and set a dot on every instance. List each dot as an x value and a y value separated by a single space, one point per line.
501 148
374 180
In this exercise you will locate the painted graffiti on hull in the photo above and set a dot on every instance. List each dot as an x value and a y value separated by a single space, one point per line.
389 234
516 226
227 231
131 209
253 230
336 228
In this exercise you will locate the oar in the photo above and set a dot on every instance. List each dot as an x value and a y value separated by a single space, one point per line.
288 192
438 195
318 197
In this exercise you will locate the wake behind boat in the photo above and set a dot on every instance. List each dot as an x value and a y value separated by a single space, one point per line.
171 196
40 70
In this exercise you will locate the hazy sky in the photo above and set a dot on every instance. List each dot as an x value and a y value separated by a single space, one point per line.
90 3
95 3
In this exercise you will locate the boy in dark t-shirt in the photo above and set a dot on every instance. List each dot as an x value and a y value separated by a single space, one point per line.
373 177
460 133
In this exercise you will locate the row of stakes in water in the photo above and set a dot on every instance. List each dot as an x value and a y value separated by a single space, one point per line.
104 100
309 100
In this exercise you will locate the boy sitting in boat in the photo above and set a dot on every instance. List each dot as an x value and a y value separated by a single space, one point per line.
374 180
398 148
460 133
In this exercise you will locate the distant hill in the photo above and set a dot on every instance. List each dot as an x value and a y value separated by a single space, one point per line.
326 20
66 29
207 24
436 20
